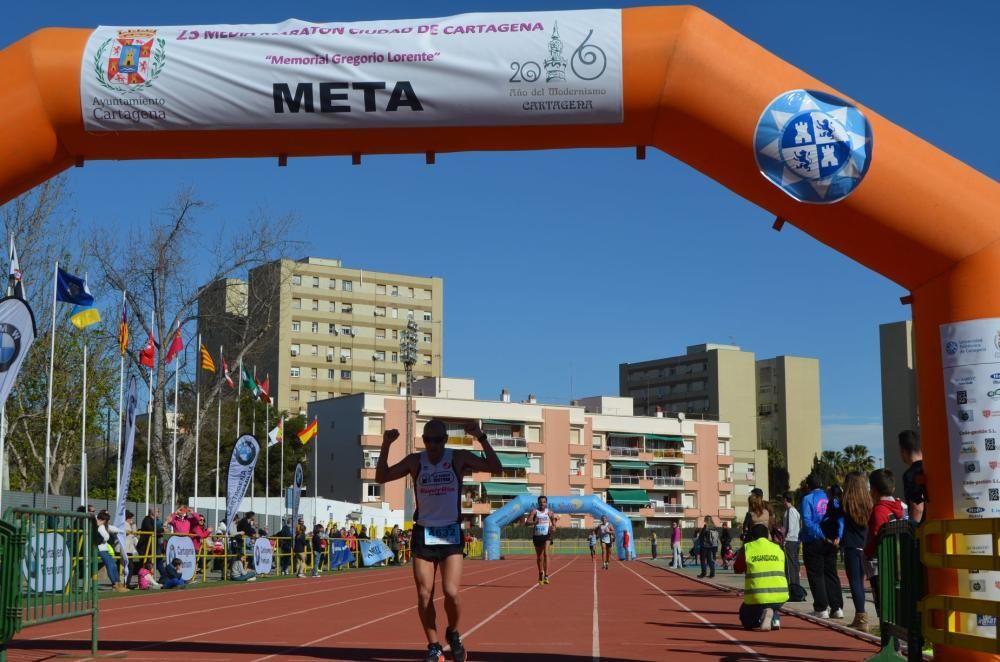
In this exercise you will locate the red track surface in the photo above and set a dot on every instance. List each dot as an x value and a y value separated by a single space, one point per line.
644 613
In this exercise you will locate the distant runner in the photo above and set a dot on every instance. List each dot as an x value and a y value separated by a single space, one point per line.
544 523
606 532
592 541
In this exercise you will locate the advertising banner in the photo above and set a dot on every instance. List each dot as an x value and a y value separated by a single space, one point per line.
181 547
296 489
241 466
340 553
523 68
373 551
263 556
131 401
46 563
970 353
17 333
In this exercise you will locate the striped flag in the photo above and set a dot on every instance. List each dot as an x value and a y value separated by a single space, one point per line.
225 372
123 331
308 432
206 360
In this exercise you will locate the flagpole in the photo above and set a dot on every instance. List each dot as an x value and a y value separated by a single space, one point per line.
3 450
253 431
121 396
315 473
239 398
173 452
267 464
197 416
52 367
218 441
281 473
149 407
83 434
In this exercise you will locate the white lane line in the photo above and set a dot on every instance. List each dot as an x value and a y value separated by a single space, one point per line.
264 620
382 618
468 633
699 616
596 649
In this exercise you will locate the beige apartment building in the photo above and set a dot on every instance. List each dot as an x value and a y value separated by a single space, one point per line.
899 390
721 382
333 330
655 469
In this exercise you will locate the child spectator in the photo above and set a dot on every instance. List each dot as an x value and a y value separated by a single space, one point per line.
885 508
317 548
171 576
146 579
239 573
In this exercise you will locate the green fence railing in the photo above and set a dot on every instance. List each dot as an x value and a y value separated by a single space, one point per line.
48 571
900 587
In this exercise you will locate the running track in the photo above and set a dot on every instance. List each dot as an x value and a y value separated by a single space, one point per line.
632 612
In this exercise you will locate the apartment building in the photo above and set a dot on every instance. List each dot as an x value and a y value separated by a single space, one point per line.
788 417
899 390
332 330
655 469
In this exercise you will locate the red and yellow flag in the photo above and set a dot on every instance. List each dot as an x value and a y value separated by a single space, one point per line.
309 431
206 360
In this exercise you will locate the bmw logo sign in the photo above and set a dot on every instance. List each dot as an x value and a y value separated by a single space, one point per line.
813 146
10 345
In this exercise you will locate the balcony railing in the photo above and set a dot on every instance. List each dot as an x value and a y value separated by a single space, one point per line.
619 479
623 451
668 453
668 481
500 441
668 509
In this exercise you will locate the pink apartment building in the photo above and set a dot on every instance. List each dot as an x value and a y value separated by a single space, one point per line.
653 468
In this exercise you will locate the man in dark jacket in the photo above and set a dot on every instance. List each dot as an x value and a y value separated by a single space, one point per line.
285 547
149 526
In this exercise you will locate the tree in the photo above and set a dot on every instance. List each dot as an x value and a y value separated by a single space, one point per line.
857 458
836 462
165 269
36 221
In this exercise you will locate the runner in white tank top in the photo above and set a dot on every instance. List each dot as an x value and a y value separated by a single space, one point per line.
543 522
437 534
606 533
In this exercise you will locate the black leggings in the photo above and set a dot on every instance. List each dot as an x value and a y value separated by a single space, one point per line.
854 560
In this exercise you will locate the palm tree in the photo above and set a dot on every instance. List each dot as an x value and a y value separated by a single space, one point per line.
857 458
837 463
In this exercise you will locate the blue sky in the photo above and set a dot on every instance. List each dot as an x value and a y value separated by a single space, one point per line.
560 265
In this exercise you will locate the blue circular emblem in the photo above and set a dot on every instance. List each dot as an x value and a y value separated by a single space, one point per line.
10 345
951 347
813 146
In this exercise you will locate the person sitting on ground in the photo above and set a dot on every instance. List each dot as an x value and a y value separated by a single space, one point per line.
146 579
238 571
765 588
171 575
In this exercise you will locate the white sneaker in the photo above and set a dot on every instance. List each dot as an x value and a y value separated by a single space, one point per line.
765 624
839 613
822 614
252 579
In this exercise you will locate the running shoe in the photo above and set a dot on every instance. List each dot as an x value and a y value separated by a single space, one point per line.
766 620
825 613
546 580
776 622
457 647
434 653
837 613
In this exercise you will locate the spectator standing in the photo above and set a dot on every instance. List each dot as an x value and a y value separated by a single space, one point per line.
914 480
708 539
105 540
820 554
299 549
131 549
885 508
765 588
652 544
200 531
791 524
180 521
748 519
317 549
285 547
675 545
171 575
759 511
725 545
857 511
147 532
394 544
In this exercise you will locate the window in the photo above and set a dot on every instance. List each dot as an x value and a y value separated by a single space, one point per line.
427 337
345 355
427 359
689 500
295 371
379 289
535 464
427 316
395 357
347 331
314 350
425 294
312 396
295 349
346 308
296 279
576 466
575 436
347 285
723 447
296 326
333 306
379 355
296 304
394 291
331 373
394 313
380 334
379 311
688 472
294 396
576 491
345 374
379 378
313 373
315 304
409 292
395 378
725 501
409 313
333 283
374 425
598 471
333 329
395 333
597 441
534 433
371 457
315 281
373 492
315 327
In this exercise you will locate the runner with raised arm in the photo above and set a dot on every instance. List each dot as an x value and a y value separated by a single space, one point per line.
437 533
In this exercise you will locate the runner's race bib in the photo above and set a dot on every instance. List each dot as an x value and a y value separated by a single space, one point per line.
443 535
541 529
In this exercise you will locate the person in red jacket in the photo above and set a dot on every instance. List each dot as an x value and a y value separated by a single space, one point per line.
886 508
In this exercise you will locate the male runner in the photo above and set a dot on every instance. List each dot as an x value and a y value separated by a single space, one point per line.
437 535
592 541
544 523
606 532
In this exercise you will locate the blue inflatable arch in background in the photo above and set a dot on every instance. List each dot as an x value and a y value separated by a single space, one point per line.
522 505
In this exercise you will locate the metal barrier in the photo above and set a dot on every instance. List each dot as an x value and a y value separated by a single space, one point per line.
940 612
900 585
47 571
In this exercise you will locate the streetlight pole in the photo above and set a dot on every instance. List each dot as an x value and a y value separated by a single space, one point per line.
408 353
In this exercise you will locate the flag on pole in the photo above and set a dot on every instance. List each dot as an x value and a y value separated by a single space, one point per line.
263 390
84 314
249 382
225 372
309 431
72 289
206 360
276 436
148 353
123 329
15 283
176 345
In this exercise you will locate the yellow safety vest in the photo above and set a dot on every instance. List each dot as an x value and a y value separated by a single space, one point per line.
765 582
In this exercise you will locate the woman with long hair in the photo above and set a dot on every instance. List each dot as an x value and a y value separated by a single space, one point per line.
857 508
760 511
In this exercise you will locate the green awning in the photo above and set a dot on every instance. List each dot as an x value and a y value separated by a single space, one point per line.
491 421
505 489
514 461
628 464
661 437
628 497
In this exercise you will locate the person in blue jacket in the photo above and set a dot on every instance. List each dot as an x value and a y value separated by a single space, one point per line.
820 550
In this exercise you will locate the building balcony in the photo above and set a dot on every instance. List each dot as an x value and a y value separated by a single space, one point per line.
601 483
623 451
370 440
692 512
536 479
725 460
749 477
365 473
624 480
500 442
599 454
536 447
726 486
727 512
578 480
647 512
475 508
668 482
577 449
691 485
668 455
667 510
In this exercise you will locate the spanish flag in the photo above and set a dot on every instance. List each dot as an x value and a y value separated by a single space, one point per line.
206 360
308 432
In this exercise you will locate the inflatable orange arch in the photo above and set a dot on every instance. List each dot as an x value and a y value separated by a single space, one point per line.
692 87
